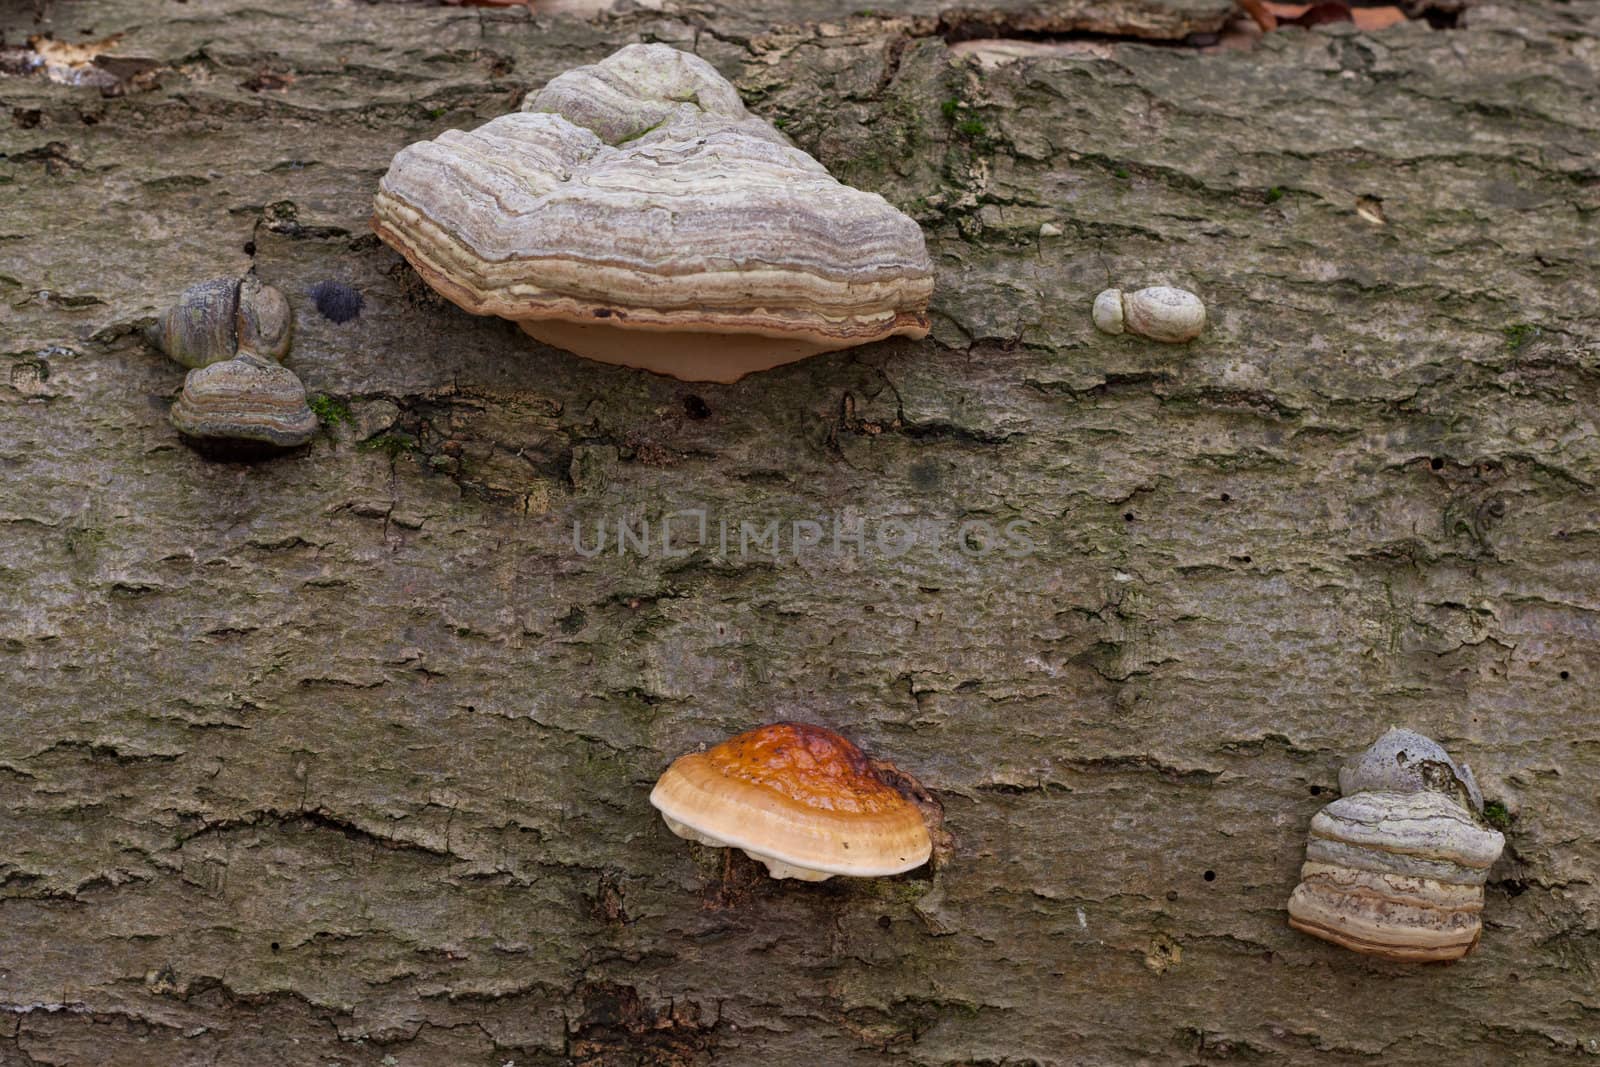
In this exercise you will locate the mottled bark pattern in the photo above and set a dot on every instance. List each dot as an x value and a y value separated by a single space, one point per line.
344 757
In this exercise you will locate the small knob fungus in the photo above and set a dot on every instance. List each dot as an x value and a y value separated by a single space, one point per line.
798 798
635 213
1160 313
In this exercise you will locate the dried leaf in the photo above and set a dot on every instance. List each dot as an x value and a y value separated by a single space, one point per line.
1261 11
1376 18
1366 18
1320 13
66 54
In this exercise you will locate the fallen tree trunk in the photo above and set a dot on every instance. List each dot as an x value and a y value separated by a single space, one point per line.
344 757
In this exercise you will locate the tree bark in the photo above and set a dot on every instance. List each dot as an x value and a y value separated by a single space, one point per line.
344 757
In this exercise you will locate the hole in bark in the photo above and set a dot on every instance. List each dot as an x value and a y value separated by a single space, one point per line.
1436 463
249 248
1226 498
1316 790
884 922
274 946
1210 876
696 408
1565 675
1128 516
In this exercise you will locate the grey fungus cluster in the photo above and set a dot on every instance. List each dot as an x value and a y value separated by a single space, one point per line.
1395 867
238 400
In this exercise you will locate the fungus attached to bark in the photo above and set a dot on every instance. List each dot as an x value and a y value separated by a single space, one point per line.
635 213
246 407
1396 866
798 798
213 320
1160 313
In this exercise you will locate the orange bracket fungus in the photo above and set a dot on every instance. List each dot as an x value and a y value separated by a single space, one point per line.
634 212
798 798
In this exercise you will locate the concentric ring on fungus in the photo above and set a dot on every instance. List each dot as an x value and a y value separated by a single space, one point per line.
1396 867
635 213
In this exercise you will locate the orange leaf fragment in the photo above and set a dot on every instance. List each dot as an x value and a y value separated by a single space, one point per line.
1376 18
1261 11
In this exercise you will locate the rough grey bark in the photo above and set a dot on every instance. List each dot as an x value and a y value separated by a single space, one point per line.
343 758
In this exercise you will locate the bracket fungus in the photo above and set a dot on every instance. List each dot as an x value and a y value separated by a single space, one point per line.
213 320
635 213
1160 313
1395 867
244 407
798 798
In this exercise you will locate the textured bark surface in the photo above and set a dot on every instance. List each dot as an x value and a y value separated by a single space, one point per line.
343 758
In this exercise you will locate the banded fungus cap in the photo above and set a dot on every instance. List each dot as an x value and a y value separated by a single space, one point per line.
1396 874
242 408
635 213
800 799
1396 866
